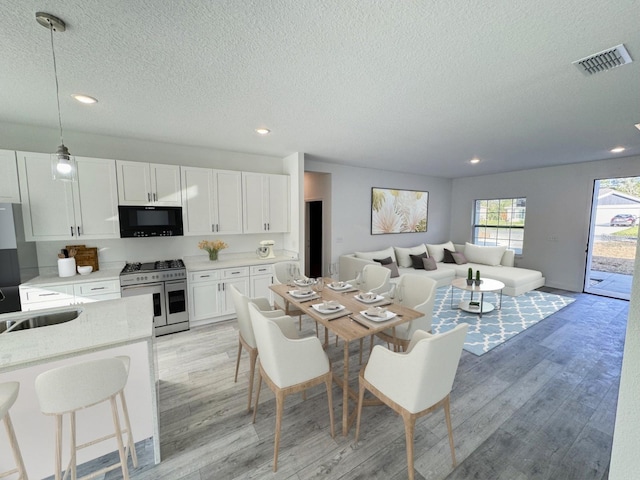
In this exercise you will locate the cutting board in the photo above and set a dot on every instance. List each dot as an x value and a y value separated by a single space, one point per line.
86 256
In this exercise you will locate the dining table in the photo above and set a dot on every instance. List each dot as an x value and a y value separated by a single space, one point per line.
348 323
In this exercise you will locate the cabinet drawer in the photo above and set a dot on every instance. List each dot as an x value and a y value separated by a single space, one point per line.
235 272
47 293
261 269
204 276
96 288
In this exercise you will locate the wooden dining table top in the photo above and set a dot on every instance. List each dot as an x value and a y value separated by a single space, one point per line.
343 326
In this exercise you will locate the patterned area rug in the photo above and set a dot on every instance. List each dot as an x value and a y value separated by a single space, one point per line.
496 327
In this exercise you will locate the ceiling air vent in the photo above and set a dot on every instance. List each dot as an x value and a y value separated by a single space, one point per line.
603 61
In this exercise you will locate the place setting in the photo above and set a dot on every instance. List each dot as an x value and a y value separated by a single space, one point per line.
303 294
331 308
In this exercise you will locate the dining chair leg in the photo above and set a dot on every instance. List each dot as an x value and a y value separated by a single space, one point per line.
329 382
409 426
74 458
253 356
235 379
279 412
360 356
360 400
13 442
447 416
255 405
58 446
130 443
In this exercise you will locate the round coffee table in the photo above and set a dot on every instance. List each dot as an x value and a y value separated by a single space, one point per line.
471 306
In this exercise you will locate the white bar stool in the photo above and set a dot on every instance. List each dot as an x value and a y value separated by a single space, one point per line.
68 389
8 395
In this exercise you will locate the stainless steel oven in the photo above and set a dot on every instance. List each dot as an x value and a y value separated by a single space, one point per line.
166 282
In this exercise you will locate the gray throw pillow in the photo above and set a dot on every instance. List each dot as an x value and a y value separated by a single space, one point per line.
459 258
416 261
429 263
390 264
448 256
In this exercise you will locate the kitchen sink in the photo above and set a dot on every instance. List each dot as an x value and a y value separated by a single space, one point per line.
34 320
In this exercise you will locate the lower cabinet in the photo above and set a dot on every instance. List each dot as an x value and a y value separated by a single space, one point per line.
210 295
62 295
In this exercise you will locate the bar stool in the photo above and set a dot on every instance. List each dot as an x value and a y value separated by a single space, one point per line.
67 389
8 395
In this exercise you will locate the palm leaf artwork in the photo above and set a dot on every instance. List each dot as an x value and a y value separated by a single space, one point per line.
398 211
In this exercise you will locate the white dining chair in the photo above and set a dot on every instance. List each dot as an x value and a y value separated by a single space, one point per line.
373 278
246 338
416 382
287 365
283 273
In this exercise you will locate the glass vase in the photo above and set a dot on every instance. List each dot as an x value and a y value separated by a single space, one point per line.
213 255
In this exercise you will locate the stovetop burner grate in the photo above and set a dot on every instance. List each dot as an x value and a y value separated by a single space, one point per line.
152 266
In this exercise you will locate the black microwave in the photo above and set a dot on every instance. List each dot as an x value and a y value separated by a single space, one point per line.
140 221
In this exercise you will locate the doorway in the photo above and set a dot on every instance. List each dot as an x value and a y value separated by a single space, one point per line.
313 235
613 236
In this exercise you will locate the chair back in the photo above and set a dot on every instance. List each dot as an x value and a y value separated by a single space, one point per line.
283 272
419 293
376 279
241 304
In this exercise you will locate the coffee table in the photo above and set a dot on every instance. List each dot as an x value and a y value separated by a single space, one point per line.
479 307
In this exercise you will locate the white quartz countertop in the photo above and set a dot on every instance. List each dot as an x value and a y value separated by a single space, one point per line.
52 278
194 264
100 325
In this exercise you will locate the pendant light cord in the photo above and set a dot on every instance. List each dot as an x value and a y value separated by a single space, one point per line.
55 72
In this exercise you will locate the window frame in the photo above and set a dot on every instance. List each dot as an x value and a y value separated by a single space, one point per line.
510 220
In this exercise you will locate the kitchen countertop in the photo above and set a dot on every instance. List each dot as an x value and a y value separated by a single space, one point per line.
52 278
199 263
100 325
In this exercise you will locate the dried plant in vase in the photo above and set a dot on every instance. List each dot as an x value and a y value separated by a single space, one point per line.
213 247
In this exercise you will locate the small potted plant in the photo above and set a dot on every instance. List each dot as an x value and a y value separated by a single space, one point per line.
478 281
470 277
212 247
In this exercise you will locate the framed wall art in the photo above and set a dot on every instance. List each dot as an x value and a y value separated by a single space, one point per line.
398 211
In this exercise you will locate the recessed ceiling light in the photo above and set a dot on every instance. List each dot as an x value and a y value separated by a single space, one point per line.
84 98
474 160
263 131
617 150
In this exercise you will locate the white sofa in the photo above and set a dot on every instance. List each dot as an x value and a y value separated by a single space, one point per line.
492 262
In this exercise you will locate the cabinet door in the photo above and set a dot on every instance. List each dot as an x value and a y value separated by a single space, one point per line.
228 197
205 300
47 204
197 201
165 185
242 284
96 199
9 188
253 203
260 287
278 203
134 186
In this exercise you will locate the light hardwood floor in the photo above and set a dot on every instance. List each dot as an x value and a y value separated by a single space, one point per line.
540 406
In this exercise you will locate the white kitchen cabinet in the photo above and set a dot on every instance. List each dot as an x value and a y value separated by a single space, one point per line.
212 201
9 188
261 279
142 183
65 294
96 291
209 293
265 203
60 210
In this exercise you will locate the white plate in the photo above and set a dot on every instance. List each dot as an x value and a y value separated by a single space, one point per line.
346 286
300 294
318 308
389 315
373 300
303 283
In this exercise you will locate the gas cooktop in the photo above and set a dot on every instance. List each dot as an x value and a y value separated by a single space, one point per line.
136 267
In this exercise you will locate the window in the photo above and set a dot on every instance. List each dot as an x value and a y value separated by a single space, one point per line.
500 221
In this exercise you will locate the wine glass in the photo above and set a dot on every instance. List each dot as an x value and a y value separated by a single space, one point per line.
333 270
391 294
358 280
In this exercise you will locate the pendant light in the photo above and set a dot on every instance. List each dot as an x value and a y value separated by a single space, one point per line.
63 165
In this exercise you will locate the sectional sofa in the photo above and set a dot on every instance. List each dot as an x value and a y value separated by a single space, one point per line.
492 262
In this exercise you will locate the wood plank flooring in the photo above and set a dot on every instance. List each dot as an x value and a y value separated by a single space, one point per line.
540 406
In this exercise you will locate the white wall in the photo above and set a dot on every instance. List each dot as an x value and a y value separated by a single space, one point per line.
351 207
558 213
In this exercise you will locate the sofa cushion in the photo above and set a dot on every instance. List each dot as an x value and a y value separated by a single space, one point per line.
390 264
429 264
448 258
387 252
484 255
459 258
416 260
437 251
402 254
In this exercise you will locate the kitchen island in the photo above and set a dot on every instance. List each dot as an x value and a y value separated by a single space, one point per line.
102 329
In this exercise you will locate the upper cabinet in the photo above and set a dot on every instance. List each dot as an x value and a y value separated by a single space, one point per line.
148 184
59 210
9 189
266 203
211 201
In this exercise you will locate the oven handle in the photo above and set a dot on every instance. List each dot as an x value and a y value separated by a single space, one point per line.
144 285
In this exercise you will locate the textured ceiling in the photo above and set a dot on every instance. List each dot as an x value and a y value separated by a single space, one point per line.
414 86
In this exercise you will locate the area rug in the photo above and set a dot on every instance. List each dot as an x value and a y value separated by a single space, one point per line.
496 327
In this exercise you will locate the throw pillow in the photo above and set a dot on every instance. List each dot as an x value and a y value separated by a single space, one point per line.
416 261
484 255
429 263
390 264
402 254
437 251
448 257
387 252
459 258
